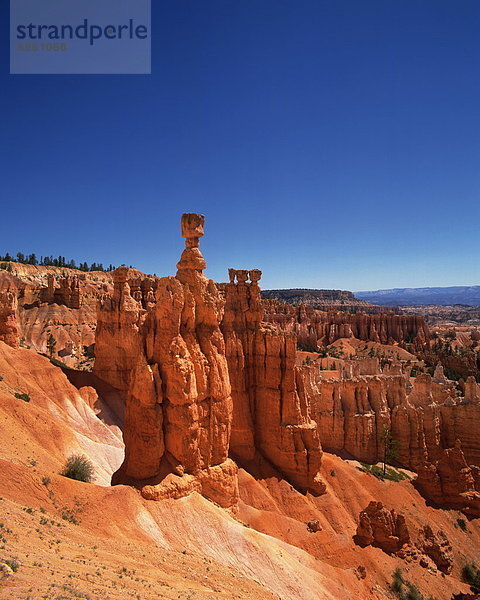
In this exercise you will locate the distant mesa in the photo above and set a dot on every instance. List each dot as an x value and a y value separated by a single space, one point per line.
444 296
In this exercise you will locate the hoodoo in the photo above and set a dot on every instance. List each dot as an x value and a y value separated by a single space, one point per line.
169 357
176 346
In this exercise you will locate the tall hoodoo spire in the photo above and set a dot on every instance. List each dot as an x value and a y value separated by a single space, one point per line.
192 231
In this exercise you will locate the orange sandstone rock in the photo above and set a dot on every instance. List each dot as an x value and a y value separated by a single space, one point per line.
437 547
313 326
351 409
383 528
180 350
388 530
270 417
451 482
9 330
168 354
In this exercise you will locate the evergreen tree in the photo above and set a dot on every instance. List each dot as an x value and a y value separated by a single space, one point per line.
391 447
51 345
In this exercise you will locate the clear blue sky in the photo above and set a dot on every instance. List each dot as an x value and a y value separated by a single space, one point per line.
332 144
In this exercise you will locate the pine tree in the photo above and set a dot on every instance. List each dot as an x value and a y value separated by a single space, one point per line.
391 447
51 345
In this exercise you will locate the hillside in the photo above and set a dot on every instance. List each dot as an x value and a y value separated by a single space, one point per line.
444 296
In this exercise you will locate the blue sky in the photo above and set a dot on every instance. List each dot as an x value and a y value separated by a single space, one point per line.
332 144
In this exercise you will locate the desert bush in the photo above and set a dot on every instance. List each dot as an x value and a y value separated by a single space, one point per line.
13 564
471 575
22 396
390 474
78 467
51 345
403 589
462 524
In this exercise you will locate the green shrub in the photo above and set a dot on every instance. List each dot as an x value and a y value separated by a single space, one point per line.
391 474
471 575
22 396
404 590
13 564
413 592
78 467
462 524
397 582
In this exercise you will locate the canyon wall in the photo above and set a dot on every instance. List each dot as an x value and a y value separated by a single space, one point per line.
313 326
424 414
9 330
55 301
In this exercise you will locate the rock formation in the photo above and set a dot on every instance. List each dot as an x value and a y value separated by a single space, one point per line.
270 418
170 358
325 300
206 377
9 330
203 377
314 326
383 528
353 404
59 302
437 547
388 530
118 338
451 482
68 294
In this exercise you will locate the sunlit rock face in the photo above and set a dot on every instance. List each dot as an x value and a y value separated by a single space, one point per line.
9 330
204 379
160 341
313 326
451 482
271 419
